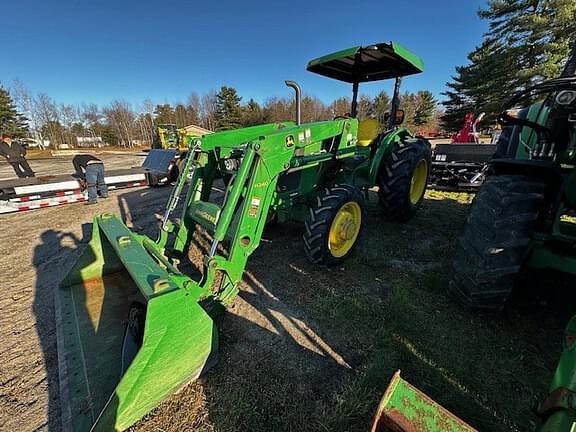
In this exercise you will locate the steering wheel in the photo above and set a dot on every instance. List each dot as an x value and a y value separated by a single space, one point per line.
342 117
506 119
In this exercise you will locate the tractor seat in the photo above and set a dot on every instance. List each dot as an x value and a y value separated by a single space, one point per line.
368 130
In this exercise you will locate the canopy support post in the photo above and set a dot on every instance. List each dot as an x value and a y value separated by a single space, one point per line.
354 109
395 103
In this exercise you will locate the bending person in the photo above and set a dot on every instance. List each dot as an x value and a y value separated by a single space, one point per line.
91 169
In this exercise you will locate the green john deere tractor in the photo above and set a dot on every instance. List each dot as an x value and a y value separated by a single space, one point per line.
523 217
133 328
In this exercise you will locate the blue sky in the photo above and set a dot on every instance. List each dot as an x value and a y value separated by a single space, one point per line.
101 50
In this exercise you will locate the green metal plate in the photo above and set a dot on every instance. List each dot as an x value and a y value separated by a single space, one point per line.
405 408
370 63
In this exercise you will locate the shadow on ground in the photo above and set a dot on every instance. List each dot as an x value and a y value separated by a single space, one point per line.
52 258
307 348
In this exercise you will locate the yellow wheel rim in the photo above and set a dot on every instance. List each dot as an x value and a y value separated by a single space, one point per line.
344 229
418 182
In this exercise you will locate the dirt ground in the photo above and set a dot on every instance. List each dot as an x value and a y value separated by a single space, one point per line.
302 348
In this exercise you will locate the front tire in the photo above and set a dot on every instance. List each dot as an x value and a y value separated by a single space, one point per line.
495 242
334 225
403 179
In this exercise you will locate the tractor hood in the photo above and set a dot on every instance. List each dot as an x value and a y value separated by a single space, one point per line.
370 63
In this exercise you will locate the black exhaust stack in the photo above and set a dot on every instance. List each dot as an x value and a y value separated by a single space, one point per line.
298 93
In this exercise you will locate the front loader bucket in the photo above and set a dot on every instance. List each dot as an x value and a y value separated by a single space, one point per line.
404 408
128 335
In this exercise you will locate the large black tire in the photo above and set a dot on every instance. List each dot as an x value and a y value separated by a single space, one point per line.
495 241
396 177
317 244
177 168
152 180
174 173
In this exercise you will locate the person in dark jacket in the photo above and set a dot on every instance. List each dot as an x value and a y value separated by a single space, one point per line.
15 154
91 169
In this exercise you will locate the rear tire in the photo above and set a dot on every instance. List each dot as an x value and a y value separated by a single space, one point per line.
495 241
152 180
174 174
403 179
334 225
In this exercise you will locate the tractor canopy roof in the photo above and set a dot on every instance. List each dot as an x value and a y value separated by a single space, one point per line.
370 63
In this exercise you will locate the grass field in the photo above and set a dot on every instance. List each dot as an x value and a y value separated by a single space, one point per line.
314 349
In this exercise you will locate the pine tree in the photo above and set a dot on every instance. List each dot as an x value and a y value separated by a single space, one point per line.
181 116
228 110
537 34
481 86
12 122
425 106
252 114
528 41
164 114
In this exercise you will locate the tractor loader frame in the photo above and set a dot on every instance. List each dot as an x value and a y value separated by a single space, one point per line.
133 328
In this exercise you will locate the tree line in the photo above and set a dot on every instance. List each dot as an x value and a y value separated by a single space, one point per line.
528 41
120 123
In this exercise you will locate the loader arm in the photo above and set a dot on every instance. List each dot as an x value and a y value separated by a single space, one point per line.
132 328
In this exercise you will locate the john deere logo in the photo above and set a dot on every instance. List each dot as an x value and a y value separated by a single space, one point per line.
205 215
289 140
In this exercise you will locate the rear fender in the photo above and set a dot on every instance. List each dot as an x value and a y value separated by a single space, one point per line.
383 149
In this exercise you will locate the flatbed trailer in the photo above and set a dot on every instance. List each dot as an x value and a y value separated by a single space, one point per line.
30 193
22 194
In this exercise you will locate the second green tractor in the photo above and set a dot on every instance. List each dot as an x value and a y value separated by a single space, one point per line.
522 221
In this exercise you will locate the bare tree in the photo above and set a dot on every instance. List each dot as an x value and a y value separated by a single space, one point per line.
92 119
208 110
341 106
68 116
194 101
365 107
146 121
194 109
278 109
121 118
47 113
31 107
313 109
